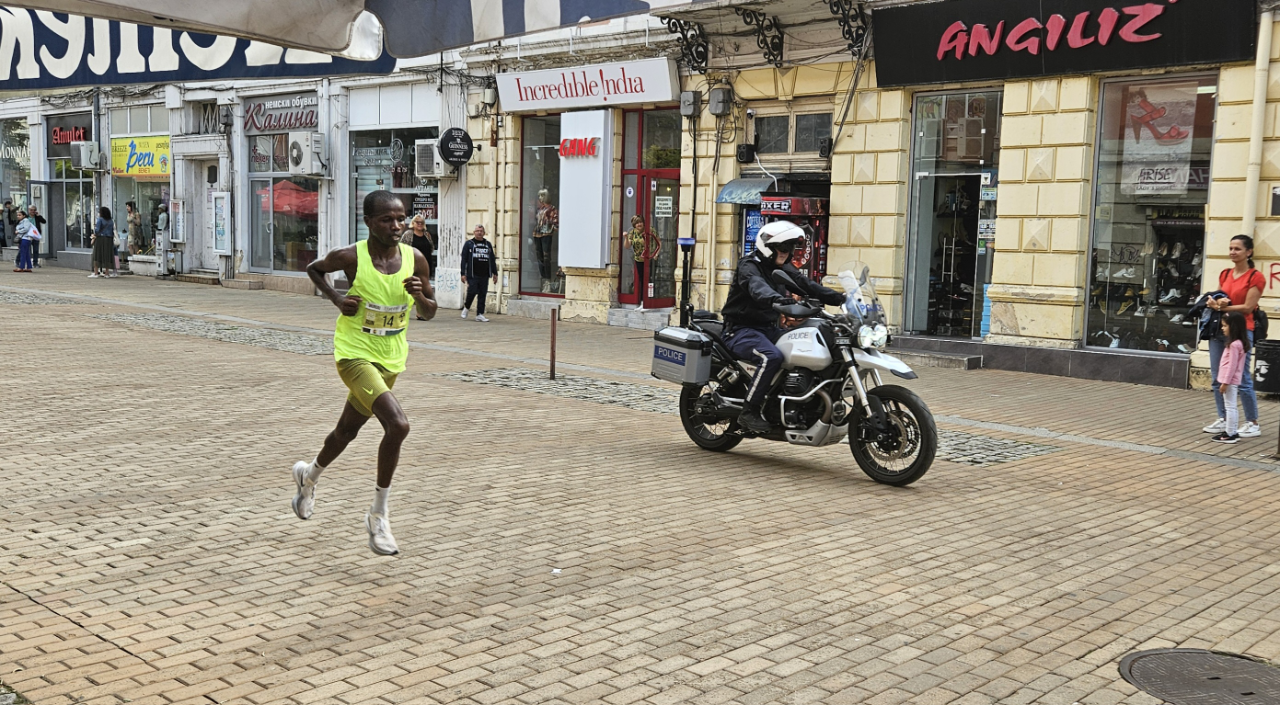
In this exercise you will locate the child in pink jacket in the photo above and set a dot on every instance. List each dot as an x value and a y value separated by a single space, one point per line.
1231 370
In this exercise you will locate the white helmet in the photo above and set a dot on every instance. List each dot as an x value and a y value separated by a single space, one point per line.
778 231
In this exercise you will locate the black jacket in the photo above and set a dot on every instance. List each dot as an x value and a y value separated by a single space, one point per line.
478 259
753 294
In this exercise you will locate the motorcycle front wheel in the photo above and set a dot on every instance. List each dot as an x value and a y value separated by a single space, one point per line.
717 436
905 454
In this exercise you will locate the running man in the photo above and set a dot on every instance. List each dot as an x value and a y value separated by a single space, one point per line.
369 345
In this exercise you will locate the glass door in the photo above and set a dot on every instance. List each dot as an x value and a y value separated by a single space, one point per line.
664 223
953 213
260 255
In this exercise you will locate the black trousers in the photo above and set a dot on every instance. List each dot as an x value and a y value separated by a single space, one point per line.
477 287
640 283
543 245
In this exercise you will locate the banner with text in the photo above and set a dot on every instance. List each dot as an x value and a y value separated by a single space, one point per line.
145 158
40 49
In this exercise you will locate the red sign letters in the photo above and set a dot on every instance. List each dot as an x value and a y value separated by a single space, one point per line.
1032 36
580 147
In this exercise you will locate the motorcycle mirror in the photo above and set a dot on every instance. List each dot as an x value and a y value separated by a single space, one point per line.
864 275
781 277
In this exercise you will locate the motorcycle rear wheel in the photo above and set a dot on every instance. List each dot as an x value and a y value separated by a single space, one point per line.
908 456
714 437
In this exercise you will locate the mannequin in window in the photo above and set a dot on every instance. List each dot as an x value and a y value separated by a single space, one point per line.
644 248
545 224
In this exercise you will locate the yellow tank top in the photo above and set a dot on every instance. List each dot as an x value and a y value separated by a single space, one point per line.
377 332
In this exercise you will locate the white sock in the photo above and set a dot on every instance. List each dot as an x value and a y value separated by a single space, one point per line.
314 470
380 497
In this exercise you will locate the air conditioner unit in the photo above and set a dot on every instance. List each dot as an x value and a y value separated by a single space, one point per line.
85 155
427 163
306 153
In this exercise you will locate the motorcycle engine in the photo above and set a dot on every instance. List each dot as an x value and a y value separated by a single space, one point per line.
798 383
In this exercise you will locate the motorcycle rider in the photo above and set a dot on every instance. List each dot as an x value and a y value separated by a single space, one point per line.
751 324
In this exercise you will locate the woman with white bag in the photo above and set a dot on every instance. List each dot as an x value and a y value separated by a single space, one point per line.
28 238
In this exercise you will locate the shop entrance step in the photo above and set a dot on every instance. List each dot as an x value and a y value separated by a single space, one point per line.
535 307
647 319
198 277
928 358
248 284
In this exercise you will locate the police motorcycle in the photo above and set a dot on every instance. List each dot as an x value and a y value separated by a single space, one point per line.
831 385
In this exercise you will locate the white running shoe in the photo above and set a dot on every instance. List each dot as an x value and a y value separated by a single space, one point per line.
464 313
1217 426
305 501
482 319
93 276
1249 430
380 538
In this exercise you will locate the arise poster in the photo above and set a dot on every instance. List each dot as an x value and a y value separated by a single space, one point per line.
1159 121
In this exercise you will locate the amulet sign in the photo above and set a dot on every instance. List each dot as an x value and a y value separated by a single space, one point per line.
966 40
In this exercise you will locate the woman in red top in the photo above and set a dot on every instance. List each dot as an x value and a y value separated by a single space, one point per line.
1243 286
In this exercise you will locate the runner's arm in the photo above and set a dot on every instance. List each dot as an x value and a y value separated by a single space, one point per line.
343 260
419 286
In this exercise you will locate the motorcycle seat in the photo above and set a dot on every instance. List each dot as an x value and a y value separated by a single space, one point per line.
715 329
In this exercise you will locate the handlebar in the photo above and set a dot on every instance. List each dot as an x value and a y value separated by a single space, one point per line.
798 310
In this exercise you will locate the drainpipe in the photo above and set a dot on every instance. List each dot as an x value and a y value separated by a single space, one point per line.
711 218
1261 79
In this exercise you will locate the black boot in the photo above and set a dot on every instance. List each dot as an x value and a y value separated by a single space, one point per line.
753 421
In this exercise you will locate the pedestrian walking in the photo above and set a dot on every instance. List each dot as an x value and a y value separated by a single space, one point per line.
1231 371
387 278
1243 286
103 242
10 215
34 213
479 266
28 237
423 240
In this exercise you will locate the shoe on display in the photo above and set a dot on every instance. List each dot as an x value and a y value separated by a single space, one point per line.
1096 290
1162 345
1170 297
380 538
1128 292
1178 318
1217 426
1249 430
464 313
1197 258
304 503
1124 306
1224 438
1102 305
1128 273
1164 249
1146 291
1115 342
1102 273
966 288
1185 349
481 319
1189 322
1177 250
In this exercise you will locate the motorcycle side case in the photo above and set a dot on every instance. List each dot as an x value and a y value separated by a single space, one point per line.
682 356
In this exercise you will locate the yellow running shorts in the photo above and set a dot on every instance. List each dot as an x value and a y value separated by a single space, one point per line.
367 381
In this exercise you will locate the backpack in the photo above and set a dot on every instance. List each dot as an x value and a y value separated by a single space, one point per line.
1259 324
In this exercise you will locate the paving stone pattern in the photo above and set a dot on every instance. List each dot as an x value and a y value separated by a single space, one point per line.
148 554
300 343
954 446
18 298
8 696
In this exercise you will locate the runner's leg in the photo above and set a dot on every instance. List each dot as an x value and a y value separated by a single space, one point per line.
396 428
349 425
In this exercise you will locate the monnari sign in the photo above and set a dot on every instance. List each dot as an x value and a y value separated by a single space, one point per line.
595 86
281 113
969 40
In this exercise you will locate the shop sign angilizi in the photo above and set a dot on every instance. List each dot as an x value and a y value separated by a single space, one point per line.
40 49
1159 122
141 157
930 43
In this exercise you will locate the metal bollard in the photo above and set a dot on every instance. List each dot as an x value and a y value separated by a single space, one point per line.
555 316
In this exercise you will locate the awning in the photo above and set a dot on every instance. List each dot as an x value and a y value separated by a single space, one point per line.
357 29
744 191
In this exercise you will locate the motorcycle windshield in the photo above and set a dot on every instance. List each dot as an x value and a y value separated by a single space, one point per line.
861 302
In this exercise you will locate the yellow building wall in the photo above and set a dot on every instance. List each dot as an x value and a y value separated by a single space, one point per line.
1037 294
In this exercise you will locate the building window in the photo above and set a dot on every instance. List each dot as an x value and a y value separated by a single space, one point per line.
385 160
1154 145
773 134
139 120
540 207
811 130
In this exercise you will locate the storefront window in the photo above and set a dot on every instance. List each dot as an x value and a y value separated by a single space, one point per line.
540 203
285 236
661 139
384 160
1154 146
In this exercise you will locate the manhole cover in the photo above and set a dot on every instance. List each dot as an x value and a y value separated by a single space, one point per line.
1199 677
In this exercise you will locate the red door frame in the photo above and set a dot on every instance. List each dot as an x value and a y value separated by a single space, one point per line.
644 207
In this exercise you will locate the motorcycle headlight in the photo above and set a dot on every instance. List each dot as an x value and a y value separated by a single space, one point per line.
866 337
881 335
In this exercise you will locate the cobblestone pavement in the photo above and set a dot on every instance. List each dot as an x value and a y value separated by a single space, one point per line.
955 446
284 341
560 550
